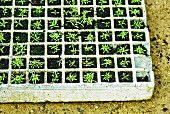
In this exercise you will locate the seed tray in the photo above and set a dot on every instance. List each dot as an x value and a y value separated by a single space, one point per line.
63 51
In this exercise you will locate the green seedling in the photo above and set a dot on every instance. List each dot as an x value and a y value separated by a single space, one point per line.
4 1
89 77
55 36
34 77
38 11
88 21
88 48
122 23
1 49
59 62
72 63
135 11
87 62
105 35
136 1
55 48
2 78
119 12
20 49
3 23
35 36
101 2
70 2
125 77
90 37
123 50
106 24
72 37
84 2
21 1
125 62
17 62
123 34
107 62
84 13
55 77
54 11
36 64
52 1
74 50
17 78
117 2
138 36
137 24
74 22
106 48
37 25
2 37
18 23
53 24
72 77
23 12
107 76
140 50
102 9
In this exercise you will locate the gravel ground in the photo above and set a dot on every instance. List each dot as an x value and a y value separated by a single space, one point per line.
158 15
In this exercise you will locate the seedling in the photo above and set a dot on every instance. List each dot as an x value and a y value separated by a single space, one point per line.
73 50
3 23
38 11
55 77
105 48
107 24
55 48
2 78
17 62
117 2
123 34
35 36
137 24
17 78
134 11
125 77
125 62
2 37
136 1
138 36
34 77
37 25
119 12
72 77
140 50
122 50
105 35
107 62
89 77
72 37
53 24
36 64
85 1
122 23
107 76
88 48
20 49
23 12
55 36
87 62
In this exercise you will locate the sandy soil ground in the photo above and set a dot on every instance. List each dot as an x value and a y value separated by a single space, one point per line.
158 14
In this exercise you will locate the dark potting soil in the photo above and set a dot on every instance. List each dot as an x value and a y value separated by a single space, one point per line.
57 2
98 2
49 39
38 2
40 60
108 66
23 37
22 67
34 14
89 14
119 38
120 59
4 64
130 3
41 78
94 78
114 2
84 52
116 24
8 14
68 60
41 35
67 34
109 38
85 34
68 48
91 59
5 79
126 46
133 27
90 2
101 23
112 79
7 25
50 14
14 74
138 15
36 49
124 13
50 77
24 23
105 13
54 28
143 36
111 51
51 51
128 74
54 63
42 23
17 12
142 46
7 3
5 50
77 77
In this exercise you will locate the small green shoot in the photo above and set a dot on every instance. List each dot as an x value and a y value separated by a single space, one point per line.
17 62
34 77
89 77
17 78
122 50
36 64
72 77
2 78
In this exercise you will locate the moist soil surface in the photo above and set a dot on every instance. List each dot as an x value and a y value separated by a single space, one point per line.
158 12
